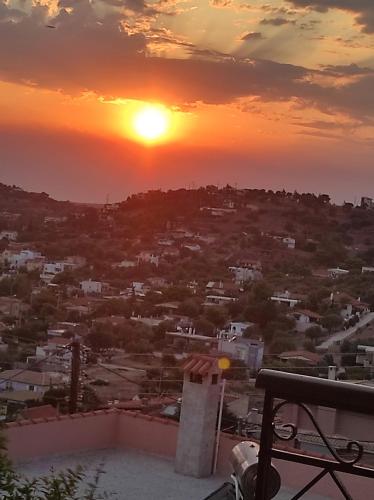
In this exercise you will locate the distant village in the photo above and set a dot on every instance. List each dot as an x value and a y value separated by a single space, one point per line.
260 278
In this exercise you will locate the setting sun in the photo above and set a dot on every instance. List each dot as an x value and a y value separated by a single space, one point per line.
152 122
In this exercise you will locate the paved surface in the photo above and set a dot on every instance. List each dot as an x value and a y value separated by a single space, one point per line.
133 475
344 334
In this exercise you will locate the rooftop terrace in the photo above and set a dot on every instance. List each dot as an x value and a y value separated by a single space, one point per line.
133 475
138 452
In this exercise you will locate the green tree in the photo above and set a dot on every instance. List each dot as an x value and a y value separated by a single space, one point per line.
331 322
190 307
216 315
238 370
314 333
99 339
204 327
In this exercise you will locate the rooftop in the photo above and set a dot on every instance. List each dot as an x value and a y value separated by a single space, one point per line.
133 475
130 474
137 451
31 377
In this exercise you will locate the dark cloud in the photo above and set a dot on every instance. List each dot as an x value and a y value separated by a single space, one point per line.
319 124
82 54
252 35
276 21
347 70
309 25
9 14
364 9
278 10
221 4
320 135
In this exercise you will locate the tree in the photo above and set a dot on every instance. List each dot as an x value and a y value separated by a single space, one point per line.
217 316
238 370
314 333
204 327
281 344
261 313
331 322
169 360
190 307
99 339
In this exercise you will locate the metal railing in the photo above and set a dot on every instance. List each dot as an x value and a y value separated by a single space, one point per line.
282 389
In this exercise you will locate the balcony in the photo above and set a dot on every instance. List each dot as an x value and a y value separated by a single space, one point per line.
132 444
342 470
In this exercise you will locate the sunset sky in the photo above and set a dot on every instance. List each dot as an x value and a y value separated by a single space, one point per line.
273 94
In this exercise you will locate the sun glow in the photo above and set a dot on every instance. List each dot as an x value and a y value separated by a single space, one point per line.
152 123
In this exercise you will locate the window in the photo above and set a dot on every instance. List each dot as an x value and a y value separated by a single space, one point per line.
31 387
214 379
196 378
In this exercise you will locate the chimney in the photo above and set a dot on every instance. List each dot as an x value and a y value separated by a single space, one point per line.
197 428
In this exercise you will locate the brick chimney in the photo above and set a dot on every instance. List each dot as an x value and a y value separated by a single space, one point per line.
198 421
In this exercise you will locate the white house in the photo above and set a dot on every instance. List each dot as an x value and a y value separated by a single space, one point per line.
218 300
367 202
54 350
9 235
15 260
243 274
249 351
365 355
239 327
285 298
35 264
91 287
206 238
354 307
126 263
289 242
51 269
165 242
218 212
367 269
193 247
304 319
149 257
16 380
139 288
336 272
235 329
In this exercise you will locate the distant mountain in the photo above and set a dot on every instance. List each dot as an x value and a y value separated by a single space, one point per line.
14 199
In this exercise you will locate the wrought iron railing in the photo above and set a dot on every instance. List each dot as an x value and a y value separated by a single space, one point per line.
282 389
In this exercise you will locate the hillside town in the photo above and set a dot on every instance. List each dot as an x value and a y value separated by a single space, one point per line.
260 278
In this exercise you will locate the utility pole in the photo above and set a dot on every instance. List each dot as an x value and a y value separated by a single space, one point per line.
74 377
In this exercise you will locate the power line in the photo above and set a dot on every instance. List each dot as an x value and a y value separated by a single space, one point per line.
29 368
119 374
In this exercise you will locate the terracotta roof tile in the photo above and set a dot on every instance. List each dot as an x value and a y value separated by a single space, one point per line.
200 364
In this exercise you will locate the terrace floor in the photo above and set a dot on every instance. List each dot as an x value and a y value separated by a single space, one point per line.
133 475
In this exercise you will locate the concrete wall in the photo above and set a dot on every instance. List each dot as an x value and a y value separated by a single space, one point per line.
332 421
110 429
64 434
148 434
